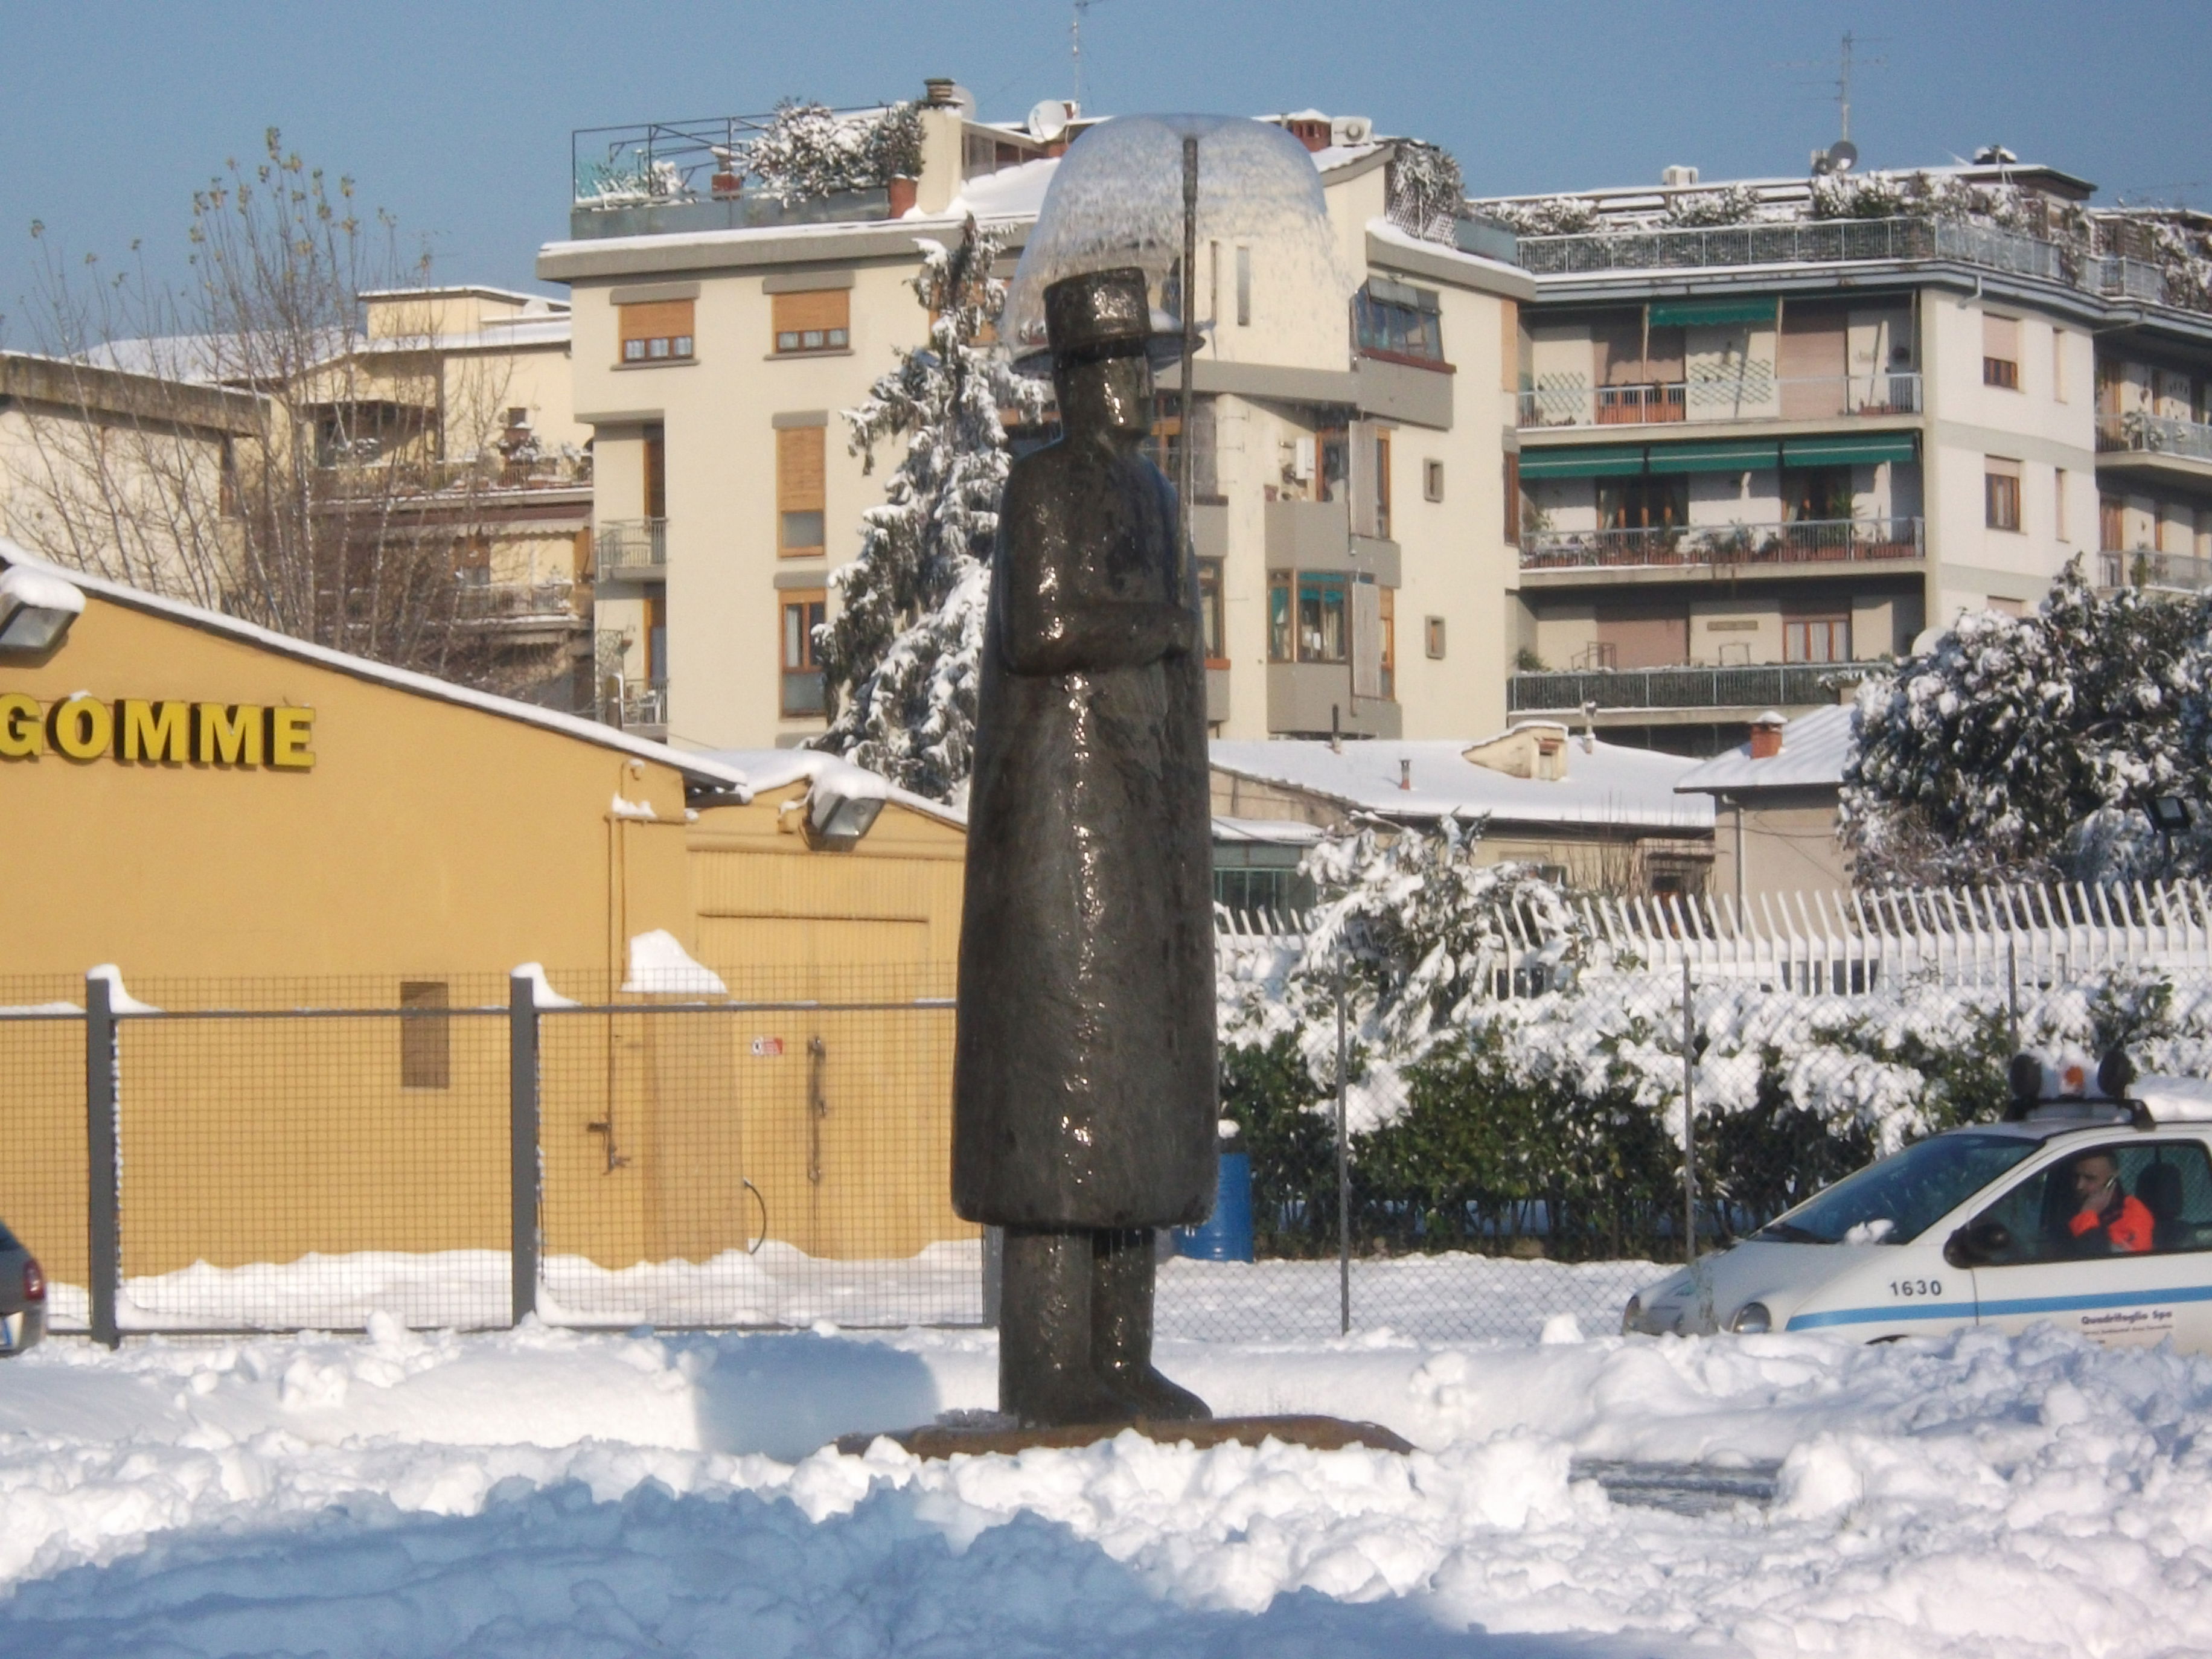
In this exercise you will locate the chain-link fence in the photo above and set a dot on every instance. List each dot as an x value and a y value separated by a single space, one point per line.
771 1149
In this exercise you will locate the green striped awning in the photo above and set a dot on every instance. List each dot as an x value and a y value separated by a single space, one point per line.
1582 461
1849 449
1722 455
1705 314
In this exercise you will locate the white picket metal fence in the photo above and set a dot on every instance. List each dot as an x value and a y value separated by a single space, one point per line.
1847 942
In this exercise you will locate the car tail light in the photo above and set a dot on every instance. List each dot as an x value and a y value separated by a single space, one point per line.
34 1281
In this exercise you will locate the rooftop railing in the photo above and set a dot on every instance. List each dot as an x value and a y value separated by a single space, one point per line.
1754 394
1772 685
1804 541
515 602
1831 241
2146 433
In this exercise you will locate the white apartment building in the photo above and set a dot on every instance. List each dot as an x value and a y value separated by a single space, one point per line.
1755 452
1353 515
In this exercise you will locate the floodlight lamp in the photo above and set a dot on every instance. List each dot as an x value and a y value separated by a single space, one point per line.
36 611
836 821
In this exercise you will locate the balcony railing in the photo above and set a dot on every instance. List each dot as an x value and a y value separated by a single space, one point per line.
389 480
1774 686
2155 434
515 602
2147 567
631 703
1751 394
1806 541
620 546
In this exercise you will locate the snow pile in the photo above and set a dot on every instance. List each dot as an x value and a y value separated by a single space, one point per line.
659 964
545 1492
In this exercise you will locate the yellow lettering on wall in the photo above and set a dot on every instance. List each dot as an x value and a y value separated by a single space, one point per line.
21 734
228 737
154 731
290 730
79 727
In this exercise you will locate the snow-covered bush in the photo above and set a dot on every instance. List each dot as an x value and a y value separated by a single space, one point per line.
810 151
2030 747
903 654
1548 215
1425 192
1730 204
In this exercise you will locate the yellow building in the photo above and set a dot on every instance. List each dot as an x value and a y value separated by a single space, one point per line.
239 820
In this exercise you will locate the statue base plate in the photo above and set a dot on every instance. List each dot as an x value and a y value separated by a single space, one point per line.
978 1438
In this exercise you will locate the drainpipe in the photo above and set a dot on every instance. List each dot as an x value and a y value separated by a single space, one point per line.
1737 803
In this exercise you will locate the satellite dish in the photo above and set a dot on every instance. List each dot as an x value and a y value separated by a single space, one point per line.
1843 155
1048 119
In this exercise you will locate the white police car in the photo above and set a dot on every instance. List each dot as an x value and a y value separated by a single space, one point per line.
2090 1207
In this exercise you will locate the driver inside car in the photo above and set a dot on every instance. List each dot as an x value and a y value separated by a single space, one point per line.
2107 1220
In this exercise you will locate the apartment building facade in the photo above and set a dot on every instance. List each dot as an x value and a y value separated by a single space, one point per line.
1758 456
1352 515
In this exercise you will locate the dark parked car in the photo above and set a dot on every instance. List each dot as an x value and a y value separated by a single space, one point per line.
22 1296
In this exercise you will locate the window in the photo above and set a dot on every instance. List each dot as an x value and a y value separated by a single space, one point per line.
1387 598
2005 607
2164 1186
2001 351
1516 509
657 332
1280 647
1816 493
1648 501
1816 637
1432 481
656 472
2058 504
2058 364
1395 320
1210 619
426 1057
2112 524
1382 485
2000 495
1432 632
805 688
820 321
1323 637
1244 288
799 492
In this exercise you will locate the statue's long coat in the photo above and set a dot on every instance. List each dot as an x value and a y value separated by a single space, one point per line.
1083 1090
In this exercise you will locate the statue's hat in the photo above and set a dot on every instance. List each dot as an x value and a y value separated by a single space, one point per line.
1107 314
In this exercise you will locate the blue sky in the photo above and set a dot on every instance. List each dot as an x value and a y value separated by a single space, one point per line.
455 117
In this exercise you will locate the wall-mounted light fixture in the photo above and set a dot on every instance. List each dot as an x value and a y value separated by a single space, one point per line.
839 814
36 610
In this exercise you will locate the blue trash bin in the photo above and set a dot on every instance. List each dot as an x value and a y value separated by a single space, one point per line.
1226 1234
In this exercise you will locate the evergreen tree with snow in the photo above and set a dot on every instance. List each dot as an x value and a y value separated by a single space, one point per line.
902 658
2029 748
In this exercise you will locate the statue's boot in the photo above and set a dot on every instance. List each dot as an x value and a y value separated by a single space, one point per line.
1046 1375
1123 1273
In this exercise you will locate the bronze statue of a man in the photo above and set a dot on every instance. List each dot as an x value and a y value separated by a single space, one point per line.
1084 1095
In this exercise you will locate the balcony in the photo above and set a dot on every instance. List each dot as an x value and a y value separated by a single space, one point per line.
477 481
630 551
2158 572
663 177
1806 541
635 705
2138 433
1772 685
1751 396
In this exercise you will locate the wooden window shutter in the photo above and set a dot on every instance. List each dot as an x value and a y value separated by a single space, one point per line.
798 469
660 320
2001 338
825 313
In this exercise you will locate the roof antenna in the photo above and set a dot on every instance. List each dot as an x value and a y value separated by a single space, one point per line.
1075 42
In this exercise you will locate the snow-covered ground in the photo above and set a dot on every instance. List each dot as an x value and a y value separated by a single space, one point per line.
554 1493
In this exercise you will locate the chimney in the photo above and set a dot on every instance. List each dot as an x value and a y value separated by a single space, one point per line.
1405 775
1677 178
1766 736
940 91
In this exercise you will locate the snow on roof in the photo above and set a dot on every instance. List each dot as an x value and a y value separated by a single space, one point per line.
704 768
1268 832
1010 193
1606 783
1381 230
775 769
1816 748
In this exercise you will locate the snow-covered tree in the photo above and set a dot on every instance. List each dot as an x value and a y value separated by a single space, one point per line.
809 150
2031 747
1425 190
903 654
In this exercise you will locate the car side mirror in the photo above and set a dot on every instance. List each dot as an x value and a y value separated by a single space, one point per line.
1977 1244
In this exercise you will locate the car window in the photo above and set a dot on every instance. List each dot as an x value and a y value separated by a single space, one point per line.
2159 1201
1894 1202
